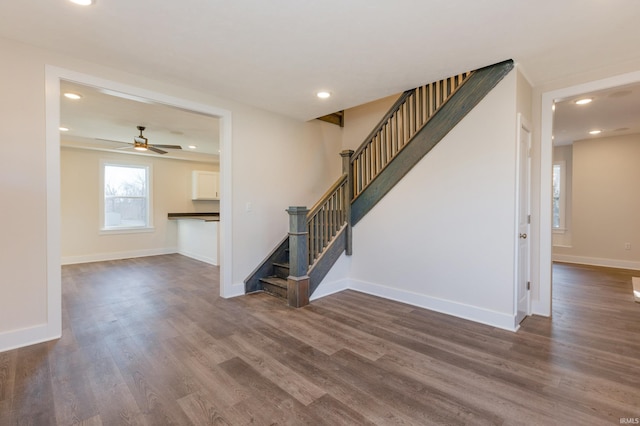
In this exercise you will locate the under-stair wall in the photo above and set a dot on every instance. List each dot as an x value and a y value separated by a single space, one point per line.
465 93
443 237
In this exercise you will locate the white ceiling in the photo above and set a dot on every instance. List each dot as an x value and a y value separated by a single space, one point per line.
101 114
614 111
276 54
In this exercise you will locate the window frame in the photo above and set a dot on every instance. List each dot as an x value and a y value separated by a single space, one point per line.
148 227
562 197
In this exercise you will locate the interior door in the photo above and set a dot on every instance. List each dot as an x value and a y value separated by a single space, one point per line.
523 238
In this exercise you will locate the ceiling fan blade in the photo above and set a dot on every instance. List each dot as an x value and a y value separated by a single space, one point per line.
154 149
168 146
111 140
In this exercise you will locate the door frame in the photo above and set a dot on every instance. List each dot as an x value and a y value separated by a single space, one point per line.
53 77
541 304
522 123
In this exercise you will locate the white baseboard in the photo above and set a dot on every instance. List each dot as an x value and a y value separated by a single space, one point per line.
460 310
539 308
237 289
27 336
101 257
328 288
597 261
201 258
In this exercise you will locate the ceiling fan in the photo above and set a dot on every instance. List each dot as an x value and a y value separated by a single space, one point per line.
140 143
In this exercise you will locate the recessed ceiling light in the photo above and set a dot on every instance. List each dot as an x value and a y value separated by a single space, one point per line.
595 132
192 147
584 101
63 129
323 95
74 96
83 2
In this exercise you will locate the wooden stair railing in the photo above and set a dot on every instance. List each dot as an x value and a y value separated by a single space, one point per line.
317 237
407 116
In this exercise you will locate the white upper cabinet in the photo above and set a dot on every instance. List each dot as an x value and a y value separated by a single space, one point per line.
205 185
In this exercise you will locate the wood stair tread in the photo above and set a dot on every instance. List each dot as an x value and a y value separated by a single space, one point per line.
276 281
281 264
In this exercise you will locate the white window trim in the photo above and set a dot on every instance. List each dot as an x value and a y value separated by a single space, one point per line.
133 229
561 229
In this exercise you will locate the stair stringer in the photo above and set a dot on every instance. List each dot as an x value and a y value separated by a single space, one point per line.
278 255
322 267
480 83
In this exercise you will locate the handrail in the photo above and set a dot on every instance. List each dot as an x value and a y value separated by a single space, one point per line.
327 217
397 104
326 195
409 114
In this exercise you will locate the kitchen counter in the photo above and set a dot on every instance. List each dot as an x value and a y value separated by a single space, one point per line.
207 217
198 235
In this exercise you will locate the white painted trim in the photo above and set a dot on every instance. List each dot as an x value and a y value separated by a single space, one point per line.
329 288
460 310
597 261
101 257
635 283
235 290
27 336
53 76
542 306
205 259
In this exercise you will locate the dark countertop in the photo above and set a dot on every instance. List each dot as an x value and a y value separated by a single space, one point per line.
207 217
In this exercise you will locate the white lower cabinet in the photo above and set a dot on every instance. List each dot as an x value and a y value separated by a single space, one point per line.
199 240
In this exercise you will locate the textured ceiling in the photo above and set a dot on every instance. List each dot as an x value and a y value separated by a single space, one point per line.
277 54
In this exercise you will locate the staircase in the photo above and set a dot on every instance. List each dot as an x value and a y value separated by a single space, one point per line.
411 128
276 284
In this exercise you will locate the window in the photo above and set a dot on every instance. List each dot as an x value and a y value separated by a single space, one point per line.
126 197
558 195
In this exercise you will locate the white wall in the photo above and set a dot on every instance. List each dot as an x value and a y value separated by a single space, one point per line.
443 238
605 203
276 161
80 215
360 121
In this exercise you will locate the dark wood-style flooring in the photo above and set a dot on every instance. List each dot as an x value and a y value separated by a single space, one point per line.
149 341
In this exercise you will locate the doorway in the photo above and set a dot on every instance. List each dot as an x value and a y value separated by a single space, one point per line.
542 305
53 78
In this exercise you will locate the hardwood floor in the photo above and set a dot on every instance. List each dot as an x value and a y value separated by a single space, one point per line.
148 341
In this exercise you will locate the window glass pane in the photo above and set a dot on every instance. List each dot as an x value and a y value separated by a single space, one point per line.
125 212
125 181
126 202
556 195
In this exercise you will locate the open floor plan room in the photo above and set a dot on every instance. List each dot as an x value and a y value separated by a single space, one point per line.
149 341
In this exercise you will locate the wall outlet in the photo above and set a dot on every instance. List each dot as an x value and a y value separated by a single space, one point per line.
627 246
248 207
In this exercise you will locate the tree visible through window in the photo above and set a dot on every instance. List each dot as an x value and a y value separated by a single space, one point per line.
126 196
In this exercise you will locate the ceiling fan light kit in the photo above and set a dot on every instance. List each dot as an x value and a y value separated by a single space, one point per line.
140 143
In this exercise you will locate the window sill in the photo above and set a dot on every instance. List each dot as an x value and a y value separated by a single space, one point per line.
559 230
114 231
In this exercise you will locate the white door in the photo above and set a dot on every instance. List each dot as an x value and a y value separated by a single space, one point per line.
524 219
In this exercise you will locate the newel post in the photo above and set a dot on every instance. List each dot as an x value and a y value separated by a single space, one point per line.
298 280
348 195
